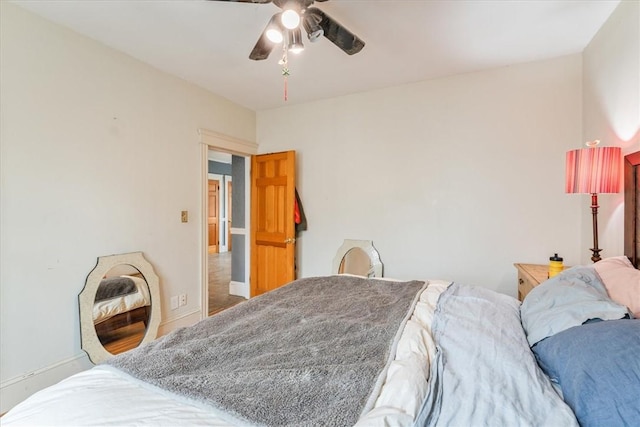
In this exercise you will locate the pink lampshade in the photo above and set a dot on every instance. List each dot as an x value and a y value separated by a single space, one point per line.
594 170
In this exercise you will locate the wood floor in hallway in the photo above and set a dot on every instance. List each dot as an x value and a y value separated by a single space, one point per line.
219 278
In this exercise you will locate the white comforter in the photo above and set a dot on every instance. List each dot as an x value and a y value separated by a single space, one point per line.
103 396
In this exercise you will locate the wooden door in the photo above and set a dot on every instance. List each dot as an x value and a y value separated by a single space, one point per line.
229 216
214 210
272 221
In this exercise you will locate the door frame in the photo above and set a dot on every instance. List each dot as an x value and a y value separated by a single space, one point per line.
216 178
221 213
228 144
228 188
224 209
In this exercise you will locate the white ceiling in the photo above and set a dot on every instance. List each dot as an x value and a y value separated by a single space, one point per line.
208 42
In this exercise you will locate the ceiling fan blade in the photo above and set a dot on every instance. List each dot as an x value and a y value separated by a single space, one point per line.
262 49
263 46
337 34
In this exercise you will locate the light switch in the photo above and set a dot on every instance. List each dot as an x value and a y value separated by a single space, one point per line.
184 216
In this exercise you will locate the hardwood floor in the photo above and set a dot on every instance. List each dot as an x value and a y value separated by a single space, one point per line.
219 278
123 339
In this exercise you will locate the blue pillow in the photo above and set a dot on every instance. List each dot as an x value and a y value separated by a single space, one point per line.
597 366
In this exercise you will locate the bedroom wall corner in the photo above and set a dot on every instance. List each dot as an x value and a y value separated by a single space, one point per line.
611 113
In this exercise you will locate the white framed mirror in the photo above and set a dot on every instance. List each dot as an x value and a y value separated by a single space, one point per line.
358 257
119 306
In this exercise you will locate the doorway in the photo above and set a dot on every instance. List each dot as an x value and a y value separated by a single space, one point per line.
234 238
220 175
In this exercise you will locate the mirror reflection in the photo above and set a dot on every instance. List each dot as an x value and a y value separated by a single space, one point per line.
356 261
357 257
121 308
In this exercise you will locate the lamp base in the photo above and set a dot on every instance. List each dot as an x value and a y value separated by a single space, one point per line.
594 215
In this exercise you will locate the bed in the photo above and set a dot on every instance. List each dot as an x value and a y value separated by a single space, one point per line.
345 350
122 299
129 303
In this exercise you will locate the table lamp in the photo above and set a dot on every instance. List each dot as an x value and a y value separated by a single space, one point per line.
594 170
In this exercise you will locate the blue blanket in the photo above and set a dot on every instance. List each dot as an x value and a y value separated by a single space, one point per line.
567 300
484 372
597 365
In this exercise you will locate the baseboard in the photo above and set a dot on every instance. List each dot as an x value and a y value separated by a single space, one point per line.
181 321
15 390
239 289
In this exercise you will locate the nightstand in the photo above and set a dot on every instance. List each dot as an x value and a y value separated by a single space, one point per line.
530 276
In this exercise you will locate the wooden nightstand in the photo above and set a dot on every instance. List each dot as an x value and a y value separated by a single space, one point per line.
530 276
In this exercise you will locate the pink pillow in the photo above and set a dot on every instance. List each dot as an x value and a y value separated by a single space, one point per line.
622 281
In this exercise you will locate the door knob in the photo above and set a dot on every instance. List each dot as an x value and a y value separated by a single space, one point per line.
290 240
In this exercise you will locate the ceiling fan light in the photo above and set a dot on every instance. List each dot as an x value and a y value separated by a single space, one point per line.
315 35
294 41
290 19
274 30
274 35
312 27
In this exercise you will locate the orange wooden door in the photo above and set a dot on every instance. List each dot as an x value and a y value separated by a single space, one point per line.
229 216
214 208
272 221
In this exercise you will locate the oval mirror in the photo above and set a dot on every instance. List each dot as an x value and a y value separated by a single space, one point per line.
358 257
355 261
119 305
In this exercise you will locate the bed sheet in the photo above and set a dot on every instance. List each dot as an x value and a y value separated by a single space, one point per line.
484 372
106 309
110 397
103 397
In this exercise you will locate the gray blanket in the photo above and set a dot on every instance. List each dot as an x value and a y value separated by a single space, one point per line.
113 287
311 353
484 373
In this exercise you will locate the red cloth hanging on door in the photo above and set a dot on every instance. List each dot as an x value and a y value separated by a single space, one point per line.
298 214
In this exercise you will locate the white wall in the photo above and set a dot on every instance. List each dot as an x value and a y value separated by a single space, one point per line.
99 154
454 178
611 113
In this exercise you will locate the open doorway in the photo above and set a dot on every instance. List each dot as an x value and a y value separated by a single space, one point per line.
220 173
230 268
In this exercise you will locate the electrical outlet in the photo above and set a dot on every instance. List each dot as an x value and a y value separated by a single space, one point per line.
174 303
183 299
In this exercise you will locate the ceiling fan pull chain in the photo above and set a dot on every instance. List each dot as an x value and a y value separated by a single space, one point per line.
285 73
286 96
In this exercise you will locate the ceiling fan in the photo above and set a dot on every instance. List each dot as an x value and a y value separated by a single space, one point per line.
284 27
